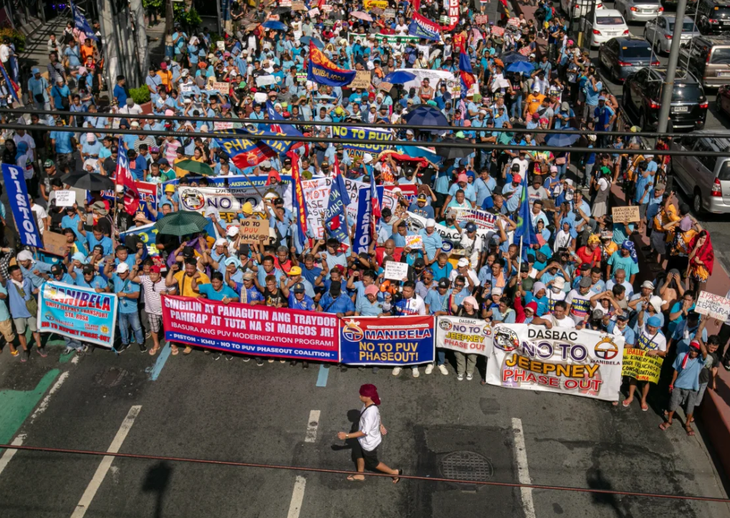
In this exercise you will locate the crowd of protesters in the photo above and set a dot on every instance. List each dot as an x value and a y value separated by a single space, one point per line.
582 271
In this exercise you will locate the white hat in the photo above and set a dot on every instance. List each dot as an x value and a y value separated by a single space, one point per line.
232 231
410 132
657 303
497 291
221 241
430 223
559 283
367 158
122 268
463 262
120 188
25 255
135 124
90 137
647 284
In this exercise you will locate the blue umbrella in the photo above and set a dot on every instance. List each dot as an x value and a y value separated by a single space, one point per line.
273 24
511 57
520 67
426 116
562 139
306 39
399 77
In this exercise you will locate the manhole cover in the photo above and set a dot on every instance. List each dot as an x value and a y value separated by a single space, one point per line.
110 377
466 465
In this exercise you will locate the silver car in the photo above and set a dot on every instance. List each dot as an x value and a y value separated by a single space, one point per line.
660 31
638 10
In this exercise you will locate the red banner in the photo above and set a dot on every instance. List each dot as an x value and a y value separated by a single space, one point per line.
256 330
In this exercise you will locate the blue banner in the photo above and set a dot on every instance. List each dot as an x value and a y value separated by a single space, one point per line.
81 24
323 71
79 313
148 234
245 153
363 234
424 28
355 133
18 198
394 341
335 216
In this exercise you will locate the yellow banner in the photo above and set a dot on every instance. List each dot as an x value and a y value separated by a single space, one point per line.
641 367
369 4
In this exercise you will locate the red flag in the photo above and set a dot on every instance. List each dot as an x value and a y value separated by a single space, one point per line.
124 178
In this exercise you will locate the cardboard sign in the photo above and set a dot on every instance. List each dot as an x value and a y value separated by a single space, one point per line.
55 244
369 4
222 125
396 271
221 45
222 87
313 12
481 19
362 79
497 31
65 198
284 3
266 80
298 6
414 242
252 231
385 87
713 305
525 51
626 214
388 13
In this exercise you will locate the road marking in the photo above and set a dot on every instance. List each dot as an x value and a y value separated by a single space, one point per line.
312 425
160 363
46 400
297 497
9 454
106 463
523 473
324 373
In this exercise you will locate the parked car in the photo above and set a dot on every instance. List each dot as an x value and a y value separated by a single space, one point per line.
638 10
606 24
624 55
660 32
708 58
723 100
642 97
713 17
705 179
578 8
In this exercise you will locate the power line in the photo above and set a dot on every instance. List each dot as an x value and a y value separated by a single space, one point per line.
139 456
339 140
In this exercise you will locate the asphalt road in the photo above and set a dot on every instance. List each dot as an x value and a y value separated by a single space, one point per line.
224 410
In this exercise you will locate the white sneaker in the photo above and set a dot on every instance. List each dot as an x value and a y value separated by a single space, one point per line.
459 377
469 377
415 372
396 371
429 368
444 370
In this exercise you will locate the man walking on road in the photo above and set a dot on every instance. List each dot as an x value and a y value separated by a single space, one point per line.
369 436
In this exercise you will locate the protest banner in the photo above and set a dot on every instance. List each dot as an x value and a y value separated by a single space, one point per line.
221 86
65 198
451 235
713 305
564 361
414 242
389 13
79 313
409 192
466 335
363 234
362 80
393 341
147 198
55 243
481 218
147 234
638 365
626 214
390 39
356 133
252 231
525 51
396 271
369 4
497 31
256 330
316 193
17 191
481 19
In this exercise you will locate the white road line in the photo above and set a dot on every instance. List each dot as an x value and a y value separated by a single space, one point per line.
9 454
106 463
523 473
297 497
312 425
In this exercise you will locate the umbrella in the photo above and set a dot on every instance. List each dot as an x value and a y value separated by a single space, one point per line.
361 16
195 167
273 24
182 223
562 139
88 181
454 152
511 57
399 77
426 116
520 67
306 39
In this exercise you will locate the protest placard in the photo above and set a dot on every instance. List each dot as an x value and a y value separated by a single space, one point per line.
713 305
369 4
497 31
302 77
641 367
285 3
396 271
221 45
55 244
252 231
481 19
626 214
298 6
525 51
466 335
222 125
404 340
389 13
65 198
221 86
385 86
313 12
414 242
514 22
362 79
266 80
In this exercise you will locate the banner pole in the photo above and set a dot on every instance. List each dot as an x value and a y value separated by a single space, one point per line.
519 267
252 184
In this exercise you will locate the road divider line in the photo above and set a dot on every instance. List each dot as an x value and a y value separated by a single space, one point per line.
297 497
523 472
160 363
47 399
312 425
106 463
9 454
324 373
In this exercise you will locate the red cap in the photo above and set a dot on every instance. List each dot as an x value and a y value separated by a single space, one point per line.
155 268
163 66
694 344
533 306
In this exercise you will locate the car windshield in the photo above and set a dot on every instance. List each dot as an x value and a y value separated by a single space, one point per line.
636 51
721 56
720 12
687 93
686 26
609 20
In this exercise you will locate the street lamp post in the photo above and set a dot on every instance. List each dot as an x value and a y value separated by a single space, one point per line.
668 86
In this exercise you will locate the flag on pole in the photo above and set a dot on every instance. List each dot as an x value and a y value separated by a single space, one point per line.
375 212
322 70
298 202
123 177
12 87
524 229
335 216
80 22
466 73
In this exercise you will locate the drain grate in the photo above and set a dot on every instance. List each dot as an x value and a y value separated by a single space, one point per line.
466 465
110 377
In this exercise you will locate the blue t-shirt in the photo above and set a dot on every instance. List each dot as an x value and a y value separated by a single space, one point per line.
688 378
207 291
126 286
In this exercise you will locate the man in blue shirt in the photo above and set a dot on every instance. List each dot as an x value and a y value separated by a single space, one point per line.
432 241
298 299
685 384
20 293
96 237
216 289
120 91
128 293
336 302
89 279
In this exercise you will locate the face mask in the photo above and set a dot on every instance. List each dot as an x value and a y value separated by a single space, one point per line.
556 290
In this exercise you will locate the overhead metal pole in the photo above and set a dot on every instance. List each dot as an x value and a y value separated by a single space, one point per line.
668 87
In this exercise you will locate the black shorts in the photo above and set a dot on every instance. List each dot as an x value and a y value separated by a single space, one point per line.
371 457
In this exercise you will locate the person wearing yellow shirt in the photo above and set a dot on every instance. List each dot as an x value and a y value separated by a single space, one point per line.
533 102
165 76
183 281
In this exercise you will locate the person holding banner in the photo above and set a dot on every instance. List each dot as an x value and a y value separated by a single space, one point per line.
128 293
23 309
466 363
654 343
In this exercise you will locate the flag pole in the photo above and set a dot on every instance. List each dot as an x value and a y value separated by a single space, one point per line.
519 267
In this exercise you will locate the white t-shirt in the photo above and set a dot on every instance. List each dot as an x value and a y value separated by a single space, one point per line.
40 216
28 140
370 426
650 342
564 323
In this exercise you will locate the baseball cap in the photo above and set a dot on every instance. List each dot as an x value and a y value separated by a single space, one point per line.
371 290
623 316
585 282
248 276
295 270
56 269
188 251
497 291
462 178
463 262
647 284
122 268
48 163
221 241
422 197
87 269
298 287
444 283
232 231
419 263
430 223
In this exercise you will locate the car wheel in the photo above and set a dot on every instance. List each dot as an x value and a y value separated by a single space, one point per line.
697 202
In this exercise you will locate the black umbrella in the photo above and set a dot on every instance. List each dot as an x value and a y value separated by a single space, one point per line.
454 152
88 181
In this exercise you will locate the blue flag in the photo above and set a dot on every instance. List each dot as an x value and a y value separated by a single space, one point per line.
81 24
18 198
424 28
524 228
335 217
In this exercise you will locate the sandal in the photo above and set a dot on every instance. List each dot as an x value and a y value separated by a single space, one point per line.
187 350
352 478
663 427
154 350
41 352
397 479
690 432
644 408
14 353
626 403
175 351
